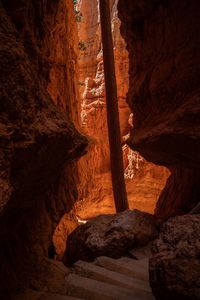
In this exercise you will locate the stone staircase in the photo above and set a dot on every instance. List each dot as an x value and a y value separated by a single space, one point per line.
106 278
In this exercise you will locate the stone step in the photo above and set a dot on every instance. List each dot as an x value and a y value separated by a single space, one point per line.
91 289
98 273
141 253
34 295
143 263
131 269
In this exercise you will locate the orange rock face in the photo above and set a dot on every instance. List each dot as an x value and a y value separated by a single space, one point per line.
67 224
144 181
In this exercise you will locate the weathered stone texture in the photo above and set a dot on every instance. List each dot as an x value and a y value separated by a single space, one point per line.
175 265
144 181
110 235
38 141
164 70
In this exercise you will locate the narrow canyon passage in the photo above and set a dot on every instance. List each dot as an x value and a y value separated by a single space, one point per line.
54 153
144 180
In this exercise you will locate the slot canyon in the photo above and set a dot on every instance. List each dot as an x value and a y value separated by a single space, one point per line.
60 235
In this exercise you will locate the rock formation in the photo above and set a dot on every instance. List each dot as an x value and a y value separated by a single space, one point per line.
39 143
144 180
163 47
40 179
67 224
110 235
175 265
164 92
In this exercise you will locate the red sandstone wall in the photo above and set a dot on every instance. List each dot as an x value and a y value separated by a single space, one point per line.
144 180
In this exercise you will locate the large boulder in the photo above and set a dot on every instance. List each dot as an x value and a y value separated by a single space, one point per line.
175 265
110 235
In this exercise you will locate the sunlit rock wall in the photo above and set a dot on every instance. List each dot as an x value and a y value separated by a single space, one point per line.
144 180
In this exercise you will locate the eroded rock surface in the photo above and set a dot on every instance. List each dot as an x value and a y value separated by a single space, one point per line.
164 75
175 265
67 224
110 235
180 195
144 180
38 142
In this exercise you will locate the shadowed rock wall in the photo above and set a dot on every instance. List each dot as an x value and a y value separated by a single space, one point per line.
164 71
38 142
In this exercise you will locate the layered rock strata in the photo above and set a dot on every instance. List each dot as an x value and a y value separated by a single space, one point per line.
39 143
